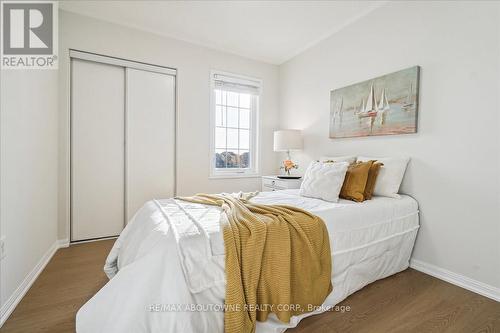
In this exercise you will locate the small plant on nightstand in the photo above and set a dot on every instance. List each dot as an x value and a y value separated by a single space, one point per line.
288 165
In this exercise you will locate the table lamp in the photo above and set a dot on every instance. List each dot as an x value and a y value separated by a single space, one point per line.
287 140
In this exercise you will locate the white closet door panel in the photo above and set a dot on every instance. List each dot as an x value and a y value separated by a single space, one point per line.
98 153
150 137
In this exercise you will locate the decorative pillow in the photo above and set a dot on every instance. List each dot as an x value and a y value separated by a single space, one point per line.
390 175
323 180
348 159
355 181
372 178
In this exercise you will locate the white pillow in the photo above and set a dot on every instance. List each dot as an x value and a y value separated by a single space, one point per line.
323 180
349 159
390 175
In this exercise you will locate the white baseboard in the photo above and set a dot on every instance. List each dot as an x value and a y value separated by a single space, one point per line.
457 279
28 281
62 243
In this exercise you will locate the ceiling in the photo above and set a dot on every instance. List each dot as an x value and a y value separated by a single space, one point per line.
269 31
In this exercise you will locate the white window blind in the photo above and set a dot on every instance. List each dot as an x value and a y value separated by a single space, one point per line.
238 85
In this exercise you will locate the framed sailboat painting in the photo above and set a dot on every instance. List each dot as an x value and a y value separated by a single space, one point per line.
384 105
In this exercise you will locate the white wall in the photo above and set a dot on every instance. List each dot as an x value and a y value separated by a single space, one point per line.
454 172
193 64
28 193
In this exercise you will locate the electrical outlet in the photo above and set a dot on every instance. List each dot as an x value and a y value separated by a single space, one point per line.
2 247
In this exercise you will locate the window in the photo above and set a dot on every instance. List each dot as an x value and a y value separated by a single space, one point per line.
234 119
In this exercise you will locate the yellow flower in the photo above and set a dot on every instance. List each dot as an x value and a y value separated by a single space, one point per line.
288 164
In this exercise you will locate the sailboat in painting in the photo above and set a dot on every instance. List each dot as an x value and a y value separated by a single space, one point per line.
383 107
370 109
383 104
361 107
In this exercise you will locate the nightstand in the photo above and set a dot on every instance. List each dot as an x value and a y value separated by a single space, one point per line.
273 183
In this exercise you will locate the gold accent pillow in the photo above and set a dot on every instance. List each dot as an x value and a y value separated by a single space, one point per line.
372 178
355 181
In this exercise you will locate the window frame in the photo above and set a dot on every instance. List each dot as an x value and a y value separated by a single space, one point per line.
254 144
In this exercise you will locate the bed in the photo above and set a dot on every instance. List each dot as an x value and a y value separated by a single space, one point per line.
167 267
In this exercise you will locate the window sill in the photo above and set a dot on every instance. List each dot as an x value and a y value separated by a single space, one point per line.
234 175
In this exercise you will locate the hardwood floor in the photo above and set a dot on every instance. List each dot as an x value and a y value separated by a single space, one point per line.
409 301
71 278
406 302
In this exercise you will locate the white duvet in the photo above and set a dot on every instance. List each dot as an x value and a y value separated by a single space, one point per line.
167 274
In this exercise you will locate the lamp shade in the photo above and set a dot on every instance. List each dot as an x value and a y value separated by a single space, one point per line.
287 140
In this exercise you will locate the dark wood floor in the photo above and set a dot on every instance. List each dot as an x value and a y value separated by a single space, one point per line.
406 302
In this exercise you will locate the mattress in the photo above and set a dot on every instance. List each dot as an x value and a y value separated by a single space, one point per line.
369 240
352 225
172 252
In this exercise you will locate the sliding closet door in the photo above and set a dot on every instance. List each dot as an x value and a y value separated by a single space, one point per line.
97 150
150 137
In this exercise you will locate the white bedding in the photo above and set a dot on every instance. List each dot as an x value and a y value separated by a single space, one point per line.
171 255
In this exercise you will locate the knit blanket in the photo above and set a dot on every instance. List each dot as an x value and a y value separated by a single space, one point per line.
277 260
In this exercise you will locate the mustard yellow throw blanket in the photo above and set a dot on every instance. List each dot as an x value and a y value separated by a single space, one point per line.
277 260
